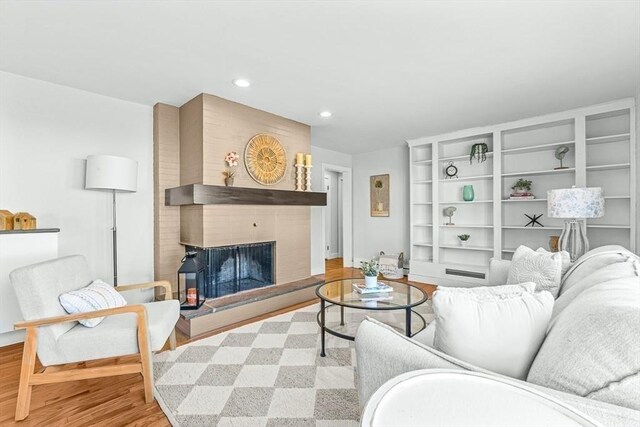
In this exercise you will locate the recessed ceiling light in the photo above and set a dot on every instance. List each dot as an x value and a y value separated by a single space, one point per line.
325 114
242 82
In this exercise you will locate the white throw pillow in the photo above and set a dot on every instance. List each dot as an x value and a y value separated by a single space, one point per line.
96 296
499 328
564 256
543 269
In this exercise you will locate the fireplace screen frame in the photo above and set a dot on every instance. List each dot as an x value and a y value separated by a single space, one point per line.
219 260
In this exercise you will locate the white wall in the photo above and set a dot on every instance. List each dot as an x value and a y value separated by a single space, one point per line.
375 234
321 157
638 169
46 133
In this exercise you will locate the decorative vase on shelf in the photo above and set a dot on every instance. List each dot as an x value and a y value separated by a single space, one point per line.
464 243
370 281
228 181
467 193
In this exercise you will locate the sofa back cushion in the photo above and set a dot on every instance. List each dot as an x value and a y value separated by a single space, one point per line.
592 347
37 288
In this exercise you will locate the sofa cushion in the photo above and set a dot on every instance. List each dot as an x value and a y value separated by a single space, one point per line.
497 328
592 347
542 268
97 296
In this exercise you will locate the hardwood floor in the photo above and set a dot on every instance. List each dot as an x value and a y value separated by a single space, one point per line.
115 401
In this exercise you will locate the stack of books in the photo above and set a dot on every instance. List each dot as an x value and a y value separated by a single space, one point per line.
378 293
521 196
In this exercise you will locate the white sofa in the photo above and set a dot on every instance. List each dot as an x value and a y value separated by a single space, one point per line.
590 357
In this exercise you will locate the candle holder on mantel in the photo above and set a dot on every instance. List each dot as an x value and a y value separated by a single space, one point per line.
299 168
307 186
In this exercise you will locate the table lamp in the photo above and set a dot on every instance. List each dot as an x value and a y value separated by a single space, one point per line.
575 205
114 174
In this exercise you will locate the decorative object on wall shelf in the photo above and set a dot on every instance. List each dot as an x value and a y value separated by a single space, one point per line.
307 170
553 243
24 221
232 161
521 190
448 212
451 171
379 195
6 220
560 153
467 193
265 159
533 220
299 165
575 205
464 239
479 152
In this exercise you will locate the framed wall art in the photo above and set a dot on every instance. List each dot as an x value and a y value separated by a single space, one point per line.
379 189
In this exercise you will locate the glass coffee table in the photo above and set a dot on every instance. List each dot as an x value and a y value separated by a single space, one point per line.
339 294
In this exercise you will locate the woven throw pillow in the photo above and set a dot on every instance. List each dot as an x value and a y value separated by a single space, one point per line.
543 269
97 296
499 328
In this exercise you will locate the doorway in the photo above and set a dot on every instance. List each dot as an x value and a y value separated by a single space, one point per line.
337 224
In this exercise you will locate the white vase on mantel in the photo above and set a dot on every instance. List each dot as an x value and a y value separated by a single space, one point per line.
370 281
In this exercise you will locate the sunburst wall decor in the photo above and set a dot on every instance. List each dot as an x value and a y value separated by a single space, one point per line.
265 159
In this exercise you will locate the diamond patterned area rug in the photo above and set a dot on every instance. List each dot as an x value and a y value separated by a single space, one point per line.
267 373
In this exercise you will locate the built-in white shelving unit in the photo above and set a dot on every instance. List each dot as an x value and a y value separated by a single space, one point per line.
601 141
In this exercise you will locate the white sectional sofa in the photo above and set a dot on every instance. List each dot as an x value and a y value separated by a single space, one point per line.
590 357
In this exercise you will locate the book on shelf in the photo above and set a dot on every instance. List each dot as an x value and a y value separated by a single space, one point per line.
381 296
522 196
362 289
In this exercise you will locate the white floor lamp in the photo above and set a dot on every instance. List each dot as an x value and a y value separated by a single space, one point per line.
575 205
115 174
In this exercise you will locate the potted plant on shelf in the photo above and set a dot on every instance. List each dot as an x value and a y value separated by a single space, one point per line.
521 190
464 239
232 161
370 271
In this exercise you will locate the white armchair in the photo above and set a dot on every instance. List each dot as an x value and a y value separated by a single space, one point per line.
58 339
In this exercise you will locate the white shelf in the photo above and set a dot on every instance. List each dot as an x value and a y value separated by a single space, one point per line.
609 138
540 172
466 156
618 197
465 266
533 148
523 200
423 162
422 225
623 227
423 181
422 259
467 248
422 203
467 226
609 167
508 250
466 178
428 245
522 227
462 202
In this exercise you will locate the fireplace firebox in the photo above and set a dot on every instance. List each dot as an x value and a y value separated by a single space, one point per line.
236 268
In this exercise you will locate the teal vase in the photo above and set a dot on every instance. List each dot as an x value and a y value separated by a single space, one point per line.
467 193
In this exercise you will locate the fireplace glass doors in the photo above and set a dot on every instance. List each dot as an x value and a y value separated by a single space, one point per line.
237 268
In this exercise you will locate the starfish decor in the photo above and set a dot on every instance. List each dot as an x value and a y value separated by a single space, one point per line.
533 220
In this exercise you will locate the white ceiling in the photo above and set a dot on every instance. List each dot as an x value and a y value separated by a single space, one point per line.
388 70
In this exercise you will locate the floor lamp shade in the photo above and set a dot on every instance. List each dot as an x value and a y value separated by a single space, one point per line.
574 205
115 174
111 173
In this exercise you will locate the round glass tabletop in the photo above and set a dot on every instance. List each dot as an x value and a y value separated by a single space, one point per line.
341 292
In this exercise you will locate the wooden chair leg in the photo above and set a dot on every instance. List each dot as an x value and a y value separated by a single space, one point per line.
144 345
172 340
27 370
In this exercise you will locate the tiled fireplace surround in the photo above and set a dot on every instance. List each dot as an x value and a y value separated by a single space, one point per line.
190 143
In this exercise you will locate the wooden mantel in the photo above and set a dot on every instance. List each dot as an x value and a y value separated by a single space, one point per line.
199 194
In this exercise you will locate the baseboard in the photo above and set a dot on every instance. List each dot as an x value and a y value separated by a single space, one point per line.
11 337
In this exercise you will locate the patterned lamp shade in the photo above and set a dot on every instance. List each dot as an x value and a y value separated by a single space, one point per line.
575 203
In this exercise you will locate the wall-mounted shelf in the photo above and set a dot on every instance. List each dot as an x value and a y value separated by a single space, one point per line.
602 153
198 194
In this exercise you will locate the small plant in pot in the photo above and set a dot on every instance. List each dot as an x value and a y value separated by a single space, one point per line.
370 271
464 239
522 186
232 161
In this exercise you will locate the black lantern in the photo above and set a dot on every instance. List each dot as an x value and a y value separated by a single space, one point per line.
191 282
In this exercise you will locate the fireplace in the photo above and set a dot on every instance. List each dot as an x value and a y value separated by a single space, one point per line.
236 268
